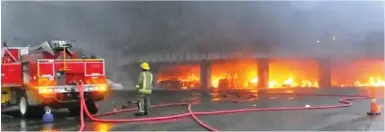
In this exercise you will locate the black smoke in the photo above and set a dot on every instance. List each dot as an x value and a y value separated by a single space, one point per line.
125 28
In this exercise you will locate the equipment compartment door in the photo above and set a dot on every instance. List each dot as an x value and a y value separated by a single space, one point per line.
11 74
94 68
46 68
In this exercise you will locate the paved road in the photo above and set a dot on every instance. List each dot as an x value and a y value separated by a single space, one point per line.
343 119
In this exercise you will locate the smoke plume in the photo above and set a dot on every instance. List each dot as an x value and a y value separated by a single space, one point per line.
125 28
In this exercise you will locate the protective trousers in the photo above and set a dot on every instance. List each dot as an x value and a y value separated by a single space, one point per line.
143 103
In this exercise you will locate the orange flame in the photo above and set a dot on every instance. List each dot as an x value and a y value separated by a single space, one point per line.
358 73
234 74
292 82
372 81
293 73
254 80
182 76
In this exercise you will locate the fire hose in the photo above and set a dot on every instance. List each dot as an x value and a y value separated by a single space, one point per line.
344 103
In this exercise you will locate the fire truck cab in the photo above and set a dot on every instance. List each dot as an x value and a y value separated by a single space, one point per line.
47 75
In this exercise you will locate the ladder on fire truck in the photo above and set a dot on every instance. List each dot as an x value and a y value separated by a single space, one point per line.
44 47
49 47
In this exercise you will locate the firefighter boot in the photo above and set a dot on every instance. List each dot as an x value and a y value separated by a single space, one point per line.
140 113
141 109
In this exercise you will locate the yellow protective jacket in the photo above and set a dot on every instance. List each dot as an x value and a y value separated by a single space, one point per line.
144 84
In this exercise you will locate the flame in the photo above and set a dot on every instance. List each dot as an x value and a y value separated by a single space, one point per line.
239 74
289 81
372 81
292 82
254 80
182 76
215 81
293 73
190 81
358 73
282 74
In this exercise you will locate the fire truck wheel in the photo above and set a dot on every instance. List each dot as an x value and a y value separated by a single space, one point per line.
26 110
23 106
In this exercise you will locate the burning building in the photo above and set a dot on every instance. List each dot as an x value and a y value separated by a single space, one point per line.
274 73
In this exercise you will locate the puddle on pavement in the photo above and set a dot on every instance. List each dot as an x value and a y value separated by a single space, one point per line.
17 124
65 123
62 122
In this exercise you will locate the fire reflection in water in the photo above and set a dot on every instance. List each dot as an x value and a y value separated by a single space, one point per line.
49 127
102 127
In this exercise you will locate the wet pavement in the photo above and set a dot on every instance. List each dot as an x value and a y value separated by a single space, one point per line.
352 118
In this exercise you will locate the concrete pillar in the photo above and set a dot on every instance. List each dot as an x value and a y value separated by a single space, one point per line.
324 73
263 73
205 74
205 81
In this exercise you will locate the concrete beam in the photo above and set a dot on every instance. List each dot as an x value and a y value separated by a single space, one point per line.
187 57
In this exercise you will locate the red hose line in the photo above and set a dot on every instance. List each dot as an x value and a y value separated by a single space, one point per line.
199 121
344 101
81 118
133 109
193 114
84 108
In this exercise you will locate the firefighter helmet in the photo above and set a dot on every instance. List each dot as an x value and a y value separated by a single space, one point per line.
145 66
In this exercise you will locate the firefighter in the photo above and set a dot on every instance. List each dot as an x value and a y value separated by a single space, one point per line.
144 88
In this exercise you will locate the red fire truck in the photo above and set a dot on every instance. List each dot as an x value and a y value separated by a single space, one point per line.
33 78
